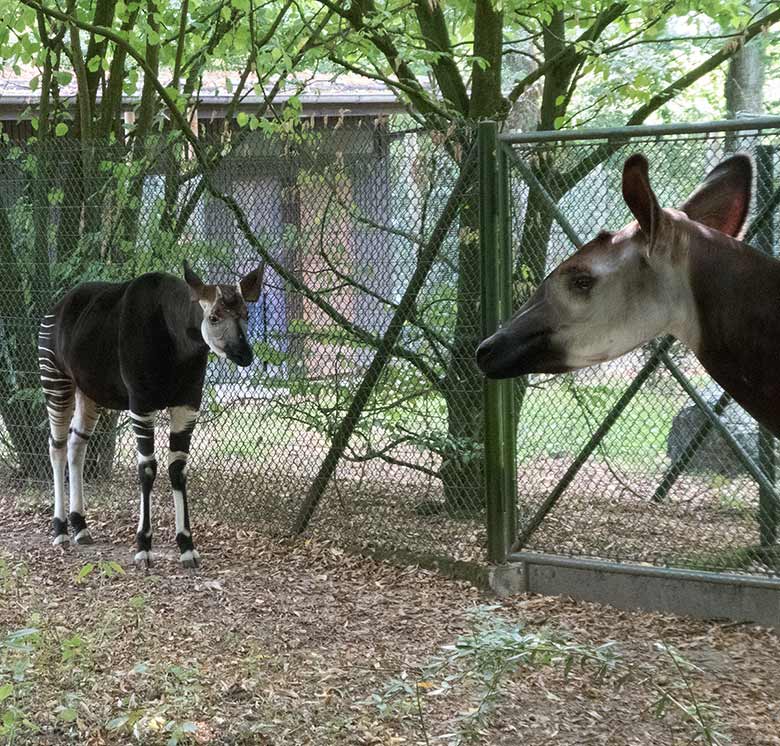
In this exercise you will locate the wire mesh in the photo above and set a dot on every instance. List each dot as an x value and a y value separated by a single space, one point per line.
645 494
347 211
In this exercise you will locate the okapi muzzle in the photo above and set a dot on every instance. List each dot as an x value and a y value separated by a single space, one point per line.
526 344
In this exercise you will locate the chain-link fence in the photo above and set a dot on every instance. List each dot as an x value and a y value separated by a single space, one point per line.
361 417
662 485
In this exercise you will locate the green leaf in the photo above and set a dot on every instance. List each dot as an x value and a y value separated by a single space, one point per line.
6 690
84 572
35 81
63 77
60 130
68 715
117 723
94 63
242 118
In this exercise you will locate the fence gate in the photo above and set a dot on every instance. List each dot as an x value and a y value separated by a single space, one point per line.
643 466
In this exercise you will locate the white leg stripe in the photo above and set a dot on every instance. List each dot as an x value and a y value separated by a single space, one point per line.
176 456
183 418
178 501
141 517
143 556
146 419
61 539
144 459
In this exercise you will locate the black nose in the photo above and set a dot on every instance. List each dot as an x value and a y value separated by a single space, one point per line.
484 351
241 356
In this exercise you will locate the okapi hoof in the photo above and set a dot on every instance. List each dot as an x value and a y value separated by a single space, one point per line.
60 530
143 559
79 525
190 559
83 538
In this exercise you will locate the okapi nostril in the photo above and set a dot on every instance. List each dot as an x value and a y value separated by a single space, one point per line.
483 353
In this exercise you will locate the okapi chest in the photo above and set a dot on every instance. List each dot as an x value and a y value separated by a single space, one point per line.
140 346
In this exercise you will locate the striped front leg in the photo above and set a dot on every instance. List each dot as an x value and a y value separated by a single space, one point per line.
183 421
143 426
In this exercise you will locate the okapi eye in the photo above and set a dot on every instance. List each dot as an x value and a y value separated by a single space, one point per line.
213 319
583 283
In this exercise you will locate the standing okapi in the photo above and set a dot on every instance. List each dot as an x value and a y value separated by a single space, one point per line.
679 272
140 345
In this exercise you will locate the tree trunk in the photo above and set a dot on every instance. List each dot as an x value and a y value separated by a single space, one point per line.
21 407
744 89
463 466
745 79
462 470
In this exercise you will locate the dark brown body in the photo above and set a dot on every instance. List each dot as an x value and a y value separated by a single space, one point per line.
737 291
133 345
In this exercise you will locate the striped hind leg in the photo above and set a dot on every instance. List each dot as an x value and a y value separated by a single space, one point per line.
58 390
81 428
183 421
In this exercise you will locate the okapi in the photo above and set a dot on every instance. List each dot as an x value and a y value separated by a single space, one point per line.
680 272
140 346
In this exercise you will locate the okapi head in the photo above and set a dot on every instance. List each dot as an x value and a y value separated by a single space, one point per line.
622 289
225 313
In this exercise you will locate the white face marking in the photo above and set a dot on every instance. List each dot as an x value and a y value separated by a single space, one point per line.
634 298
207 332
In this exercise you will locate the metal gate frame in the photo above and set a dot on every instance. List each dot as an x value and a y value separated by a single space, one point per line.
505 538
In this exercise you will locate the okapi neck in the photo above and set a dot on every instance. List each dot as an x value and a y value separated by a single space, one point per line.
737 294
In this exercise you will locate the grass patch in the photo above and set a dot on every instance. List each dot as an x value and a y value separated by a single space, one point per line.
557 420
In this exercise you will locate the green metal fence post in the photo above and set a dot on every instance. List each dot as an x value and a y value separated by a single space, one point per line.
509 403
767 499
495 392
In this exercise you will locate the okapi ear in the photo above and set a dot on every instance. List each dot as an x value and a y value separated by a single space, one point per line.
198 289
640 198
722 200
252 284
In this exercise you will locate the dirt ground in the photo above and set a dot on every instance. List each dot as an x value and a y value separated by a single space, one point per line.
296 642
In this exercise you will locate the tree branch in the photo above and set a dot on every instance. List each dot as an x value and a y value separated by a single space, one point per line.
436 37
572 177
568 56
